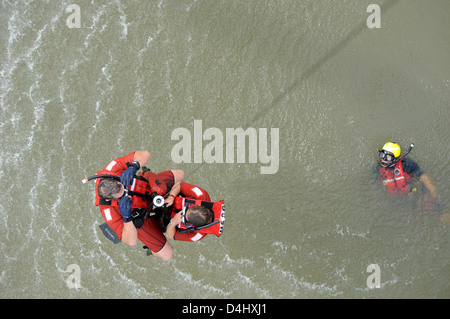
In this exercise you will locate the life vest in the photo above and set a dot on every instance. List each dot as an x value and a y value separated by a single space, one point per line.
218 208
140 185
396 180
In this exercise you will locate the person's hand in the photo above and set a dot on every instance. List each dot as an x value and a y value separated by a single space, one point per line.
125 206
169 200
176 219
127 176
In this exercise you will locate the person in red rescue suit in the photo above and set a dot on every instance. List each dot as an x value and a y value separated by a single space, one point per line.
116 205
195 215
400 177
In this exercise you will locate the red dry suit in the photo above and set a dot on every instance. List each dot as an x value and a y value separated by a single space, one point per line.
396 180
150 234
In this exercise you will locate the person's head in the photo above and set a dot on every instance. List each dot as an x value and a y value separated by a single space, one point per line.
110 189
388 154
199 215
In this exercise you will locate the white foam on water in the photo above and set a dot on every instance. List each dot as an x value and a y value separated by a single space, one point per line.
345 230
2 277
294 285
240 261
202 286
95 20
256 288
134 288
189 6
4 222
22 153
123 20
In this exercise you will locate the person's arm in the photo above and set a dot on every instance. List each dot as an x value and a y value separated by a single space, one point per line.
129 234
172 194
178 176
126 232
425 179
172 226
142 157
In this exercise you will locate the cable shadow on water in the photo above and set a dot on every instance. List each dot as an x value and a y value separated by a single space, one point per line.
356 31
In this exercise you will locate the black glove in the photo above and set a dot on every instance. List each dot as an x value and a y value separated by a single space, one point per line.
127 176
125 206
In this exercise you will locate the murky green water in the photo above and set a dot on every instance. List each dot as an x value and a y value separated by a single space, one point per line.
72 99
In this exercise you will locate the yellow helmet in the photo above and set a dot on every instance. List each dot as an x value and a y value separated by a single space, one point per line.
393 148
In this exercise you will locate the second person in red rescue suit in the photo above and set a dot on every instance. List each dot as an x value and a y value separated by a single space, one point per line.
400 177
184 220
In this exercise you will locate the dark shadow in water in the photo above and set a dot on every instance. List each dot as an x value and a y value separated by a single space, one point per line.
387 5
